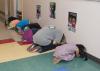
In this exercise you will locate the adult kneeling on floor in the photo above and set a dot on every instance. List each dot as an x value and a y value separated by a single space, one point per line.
46 39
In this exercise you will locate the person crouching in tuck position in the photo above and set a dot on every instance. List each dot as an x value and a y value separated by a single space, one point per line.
68 51
46 39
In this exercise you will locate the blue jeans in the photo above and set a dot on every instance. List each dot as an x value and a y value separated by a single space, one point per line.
46 48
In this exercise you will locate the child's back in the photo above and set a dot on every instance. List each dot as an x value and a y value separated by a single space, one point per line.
65 52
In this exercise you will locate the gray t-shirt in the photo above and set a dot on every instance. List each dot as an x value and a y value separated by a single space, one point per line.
44 36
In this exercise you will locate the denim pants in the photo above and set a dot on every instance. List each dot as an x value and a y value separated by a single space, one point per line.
46 48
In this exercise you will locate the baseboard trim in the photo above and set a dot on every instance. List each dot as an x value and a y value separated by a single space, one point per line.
93 58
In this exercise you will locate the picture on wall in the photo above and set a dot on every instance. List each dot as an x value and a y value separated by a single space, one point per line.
38 11
52 9
72 18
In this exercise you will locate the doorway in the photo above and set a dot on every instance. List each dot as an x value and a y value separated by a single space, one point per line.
2 10
13 8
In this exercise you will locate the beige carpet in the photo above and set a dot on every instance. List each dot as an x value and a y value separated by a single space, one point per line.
13 51
6 34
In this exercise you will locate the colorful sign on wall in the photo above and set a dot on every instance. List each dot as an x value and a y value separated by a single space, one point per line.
72 18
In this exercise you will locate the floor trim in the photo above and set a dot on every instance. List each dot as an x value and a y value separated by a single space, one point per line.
93 58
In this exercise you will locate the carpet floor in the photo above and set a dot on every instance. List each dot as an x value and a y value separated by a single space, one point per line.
44 63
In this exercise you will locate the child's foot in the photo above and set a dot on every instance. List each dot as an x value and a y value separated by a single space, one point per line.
56 60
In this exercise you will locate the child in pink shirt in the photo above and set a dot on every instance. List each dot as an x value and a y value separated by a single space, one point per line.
67 52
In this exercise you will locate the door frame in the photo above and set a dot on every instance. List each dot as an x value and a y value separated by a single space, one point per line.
15 8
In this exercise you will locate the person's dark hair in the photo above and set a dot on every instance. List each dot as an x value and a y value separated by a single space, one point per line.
11 18
82 51
35 25
32 25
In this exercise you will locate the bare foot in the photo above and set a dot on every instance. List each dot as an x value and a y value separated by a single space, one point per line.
56 60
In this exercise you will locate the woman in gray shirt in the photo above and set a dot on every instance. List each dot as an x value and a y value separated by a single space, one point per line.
45 39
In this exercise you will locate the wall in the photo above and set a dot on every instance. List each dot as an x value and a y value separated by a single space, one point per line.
2 10
2 5
7 8
28 9
11 7
88 22
19 5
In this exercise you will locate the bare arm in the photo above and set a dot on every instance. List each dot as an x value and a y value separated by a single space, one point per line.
77 52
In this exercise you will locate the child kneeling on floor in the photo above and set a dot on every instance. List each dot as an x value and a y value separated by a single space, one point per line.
67 52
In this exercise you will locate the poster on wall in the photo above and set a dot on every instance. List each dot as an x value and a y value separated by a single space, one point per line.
38 11
52 9
72 18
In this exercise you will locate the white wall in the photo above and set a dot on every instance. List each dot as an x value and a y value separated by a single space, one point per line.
88 20
28 9
19 5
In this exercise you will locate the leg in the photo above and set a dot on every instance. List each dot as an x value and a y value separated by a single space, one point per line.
46 48
56 60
